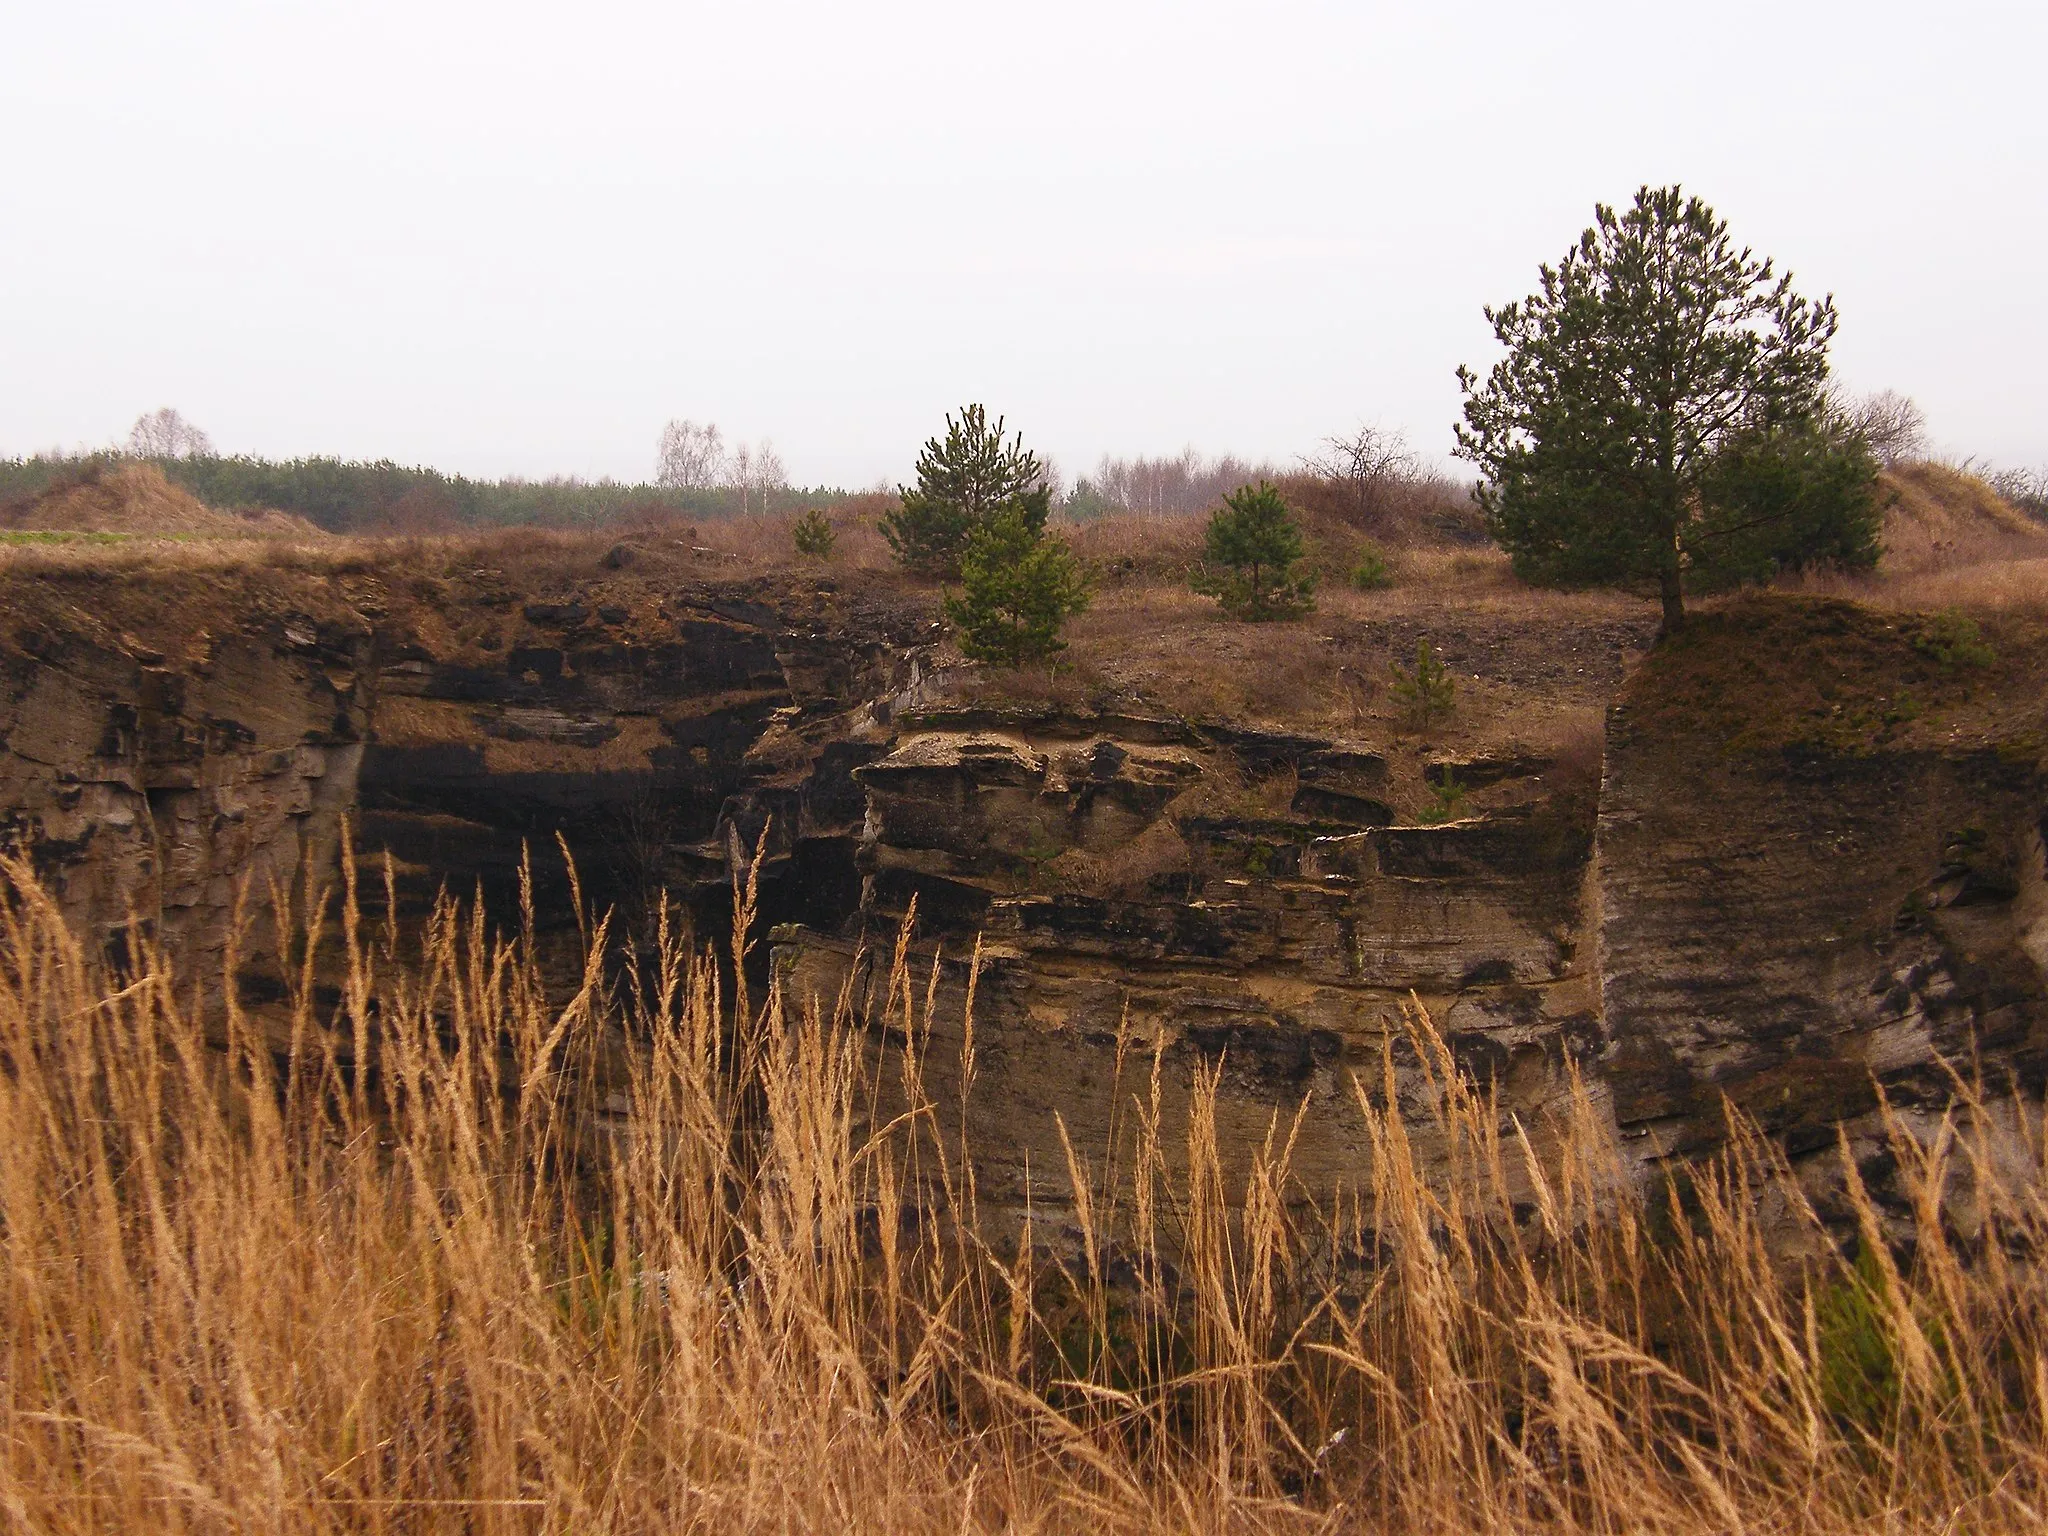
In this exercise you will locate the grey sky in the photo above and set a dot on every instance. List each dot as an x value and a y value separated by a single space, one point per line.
510 238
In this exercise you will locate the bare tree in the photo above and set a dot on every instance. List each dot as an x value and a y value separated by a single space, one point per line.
1893 426
755 472
2026 489
164 434
1055 481
1371 468
1185 484
691 458
739 468
769 475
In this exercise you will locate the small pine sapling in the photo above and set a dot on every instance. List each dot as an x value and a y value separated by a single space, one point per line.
1427 691
1249 557
1018 589
1371 573
1447 800
963 480
813 535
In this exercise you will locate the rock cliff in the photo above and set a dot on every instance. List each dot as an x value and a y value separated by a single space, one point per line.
1821 879
1813 865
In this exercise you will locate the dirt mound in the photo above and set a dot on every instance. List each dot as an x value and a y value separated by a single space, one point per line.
138 501
1940 515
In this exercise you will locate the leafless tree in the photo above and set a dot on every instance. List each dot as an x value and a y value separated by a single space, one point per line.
1185 484
691 458
1371 468
1893 426
164 434
2026 489
755 472
768 474
1055 482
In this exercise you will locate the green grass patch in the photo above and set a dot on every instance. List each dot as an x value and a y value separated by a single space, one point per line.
40 536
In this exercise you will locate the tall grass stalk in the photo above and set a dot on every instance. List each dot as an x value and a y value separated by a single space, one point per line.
445 1247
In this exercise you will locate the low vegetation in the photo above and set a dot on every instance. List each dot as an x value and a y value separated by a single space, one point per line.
811 534
1427 692
250 1285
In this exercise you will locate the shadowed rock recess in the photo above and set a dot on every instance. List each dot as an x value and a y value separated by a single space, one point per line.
1787 900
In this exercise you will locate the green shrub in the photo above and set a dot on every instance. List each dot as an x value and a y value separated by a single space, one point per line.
1371 573
1427 691
1249 557
1447 801
1018 588
1952 639
1862 1374
813 535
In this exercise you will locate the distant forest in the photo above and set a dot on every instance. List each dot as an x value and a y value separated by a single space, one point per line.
1370 479
342 496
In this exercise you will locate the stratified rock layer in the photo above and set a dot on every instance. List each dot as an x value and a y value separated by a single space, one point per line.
1813 871
1820 882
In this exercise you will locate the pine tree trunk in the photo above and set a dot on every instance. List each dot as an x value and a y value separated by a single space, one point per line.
1674 602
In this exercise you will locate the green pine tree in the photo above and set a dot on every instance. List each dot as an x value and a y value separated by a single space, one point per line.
963 480
1654 348
1018 588
813 536
1249 557
1802 494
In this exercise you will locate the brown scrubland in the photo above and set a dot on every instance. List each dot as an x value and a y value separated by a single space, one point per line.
734 1277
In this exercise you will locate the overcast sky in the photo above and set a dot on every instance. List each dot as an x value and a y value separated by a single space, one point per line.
515 239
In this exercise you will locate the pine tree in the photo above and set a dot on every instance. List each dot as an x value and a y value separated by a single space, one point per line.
1249 555
1652 346
812 534
1804 494
1018 588
963 480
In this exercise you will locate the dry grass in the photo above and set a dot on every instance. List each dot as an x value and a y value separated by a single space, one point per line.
1950 541
136 501
1943 516
256 1287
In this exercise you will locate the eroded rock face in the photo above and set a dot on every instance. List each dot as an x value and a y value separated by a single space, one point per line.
1872 920
152 796
458 733
1799 922
1277 949
1794 910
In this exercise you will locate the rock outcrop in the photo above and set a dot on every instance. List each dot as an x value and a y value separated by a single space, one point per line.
1813 871
1274 939
1821 881
155 790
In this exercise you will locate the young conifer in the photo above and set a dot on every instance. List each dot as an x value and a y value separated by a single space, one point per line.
813 535
1249 557
1018 588
963 480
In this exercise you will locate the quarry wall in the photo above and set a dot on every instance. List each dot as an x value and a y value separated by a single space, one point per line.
1792 926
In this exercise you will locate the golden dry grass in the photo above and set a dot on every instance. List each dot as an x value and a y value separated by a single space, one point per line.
1950 541
1940 515
137 501
739 1282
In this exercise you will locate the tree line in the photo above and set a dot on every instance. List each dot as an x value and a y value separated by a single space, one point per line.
381 496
